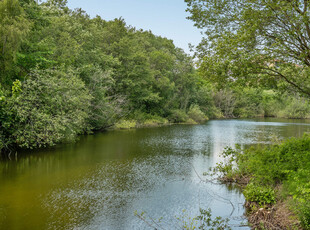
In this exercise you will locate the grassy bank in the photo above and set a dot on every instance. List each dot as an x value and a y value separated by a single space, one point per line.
275 181
147 120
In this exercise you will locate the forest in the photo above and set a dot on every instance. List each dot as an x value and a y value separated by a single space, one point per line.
63 74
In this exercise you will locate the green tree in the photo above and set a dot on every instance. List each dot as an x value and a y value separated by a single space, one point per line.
14 27
105 108
50 107
265 43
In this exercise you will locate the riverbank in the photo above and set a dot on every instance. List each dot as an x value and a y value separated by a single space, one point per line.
275 182
131 124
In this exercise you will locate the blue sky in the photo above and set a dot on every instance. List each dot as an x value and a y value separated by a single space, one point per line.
166 18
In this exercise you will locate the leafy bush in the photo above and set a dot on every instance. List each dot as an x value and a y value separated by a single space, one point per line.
155 122
295 108
105 110
304 215
146 119
2 98
178 116
205 220
259 194
248 103
196 114
225 101
51 107
7 116
271 103
286 164
204 98
126 124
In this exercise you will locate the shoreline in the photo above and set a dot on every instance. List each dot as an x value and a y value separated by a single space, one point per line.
137 125
275 216
274 181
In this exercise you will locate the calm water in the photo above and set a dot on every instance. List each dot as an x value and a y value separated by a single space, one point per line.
99 182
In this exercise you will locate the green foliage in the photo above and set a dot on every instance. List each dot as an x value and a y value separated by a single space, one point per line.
249 103
304 215
259 194
16 88
271 103
6 120
155 122
125 124
2 108
105 110
225 100
124 71
254 43
286 164
245 102
51 108
14 26
296 107
299 185
178 116
148 120
227 167
196 114
204 221
204 98
2 96
127 74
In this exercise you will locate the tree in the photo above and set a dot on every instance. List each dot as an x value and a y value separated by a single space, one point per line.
51 106
257 42
14 27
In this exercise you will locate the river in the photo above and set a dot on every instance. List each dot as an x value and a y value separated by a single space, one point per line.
100 181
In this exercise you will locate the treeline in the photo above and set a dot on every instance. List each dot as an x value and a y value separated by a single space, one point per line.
63 73
245 102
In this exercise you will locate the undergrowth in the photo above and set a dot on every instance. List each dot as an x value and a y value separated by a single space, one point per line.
279 172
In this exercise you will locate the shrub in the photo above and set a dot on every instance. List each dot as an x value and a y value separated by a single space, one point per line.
304 215
249 103
155 122
51 107
259 194
225 101
105 110
196 114
295 108
271 103
286 164
178 116
126 124
7 119
2 98
147 119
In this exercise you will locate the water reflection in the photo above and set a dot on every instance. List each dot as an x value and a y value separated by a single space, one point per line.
100 181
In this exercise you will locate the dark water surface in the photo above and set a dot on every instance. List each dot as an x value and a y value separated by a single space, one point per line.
99 182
